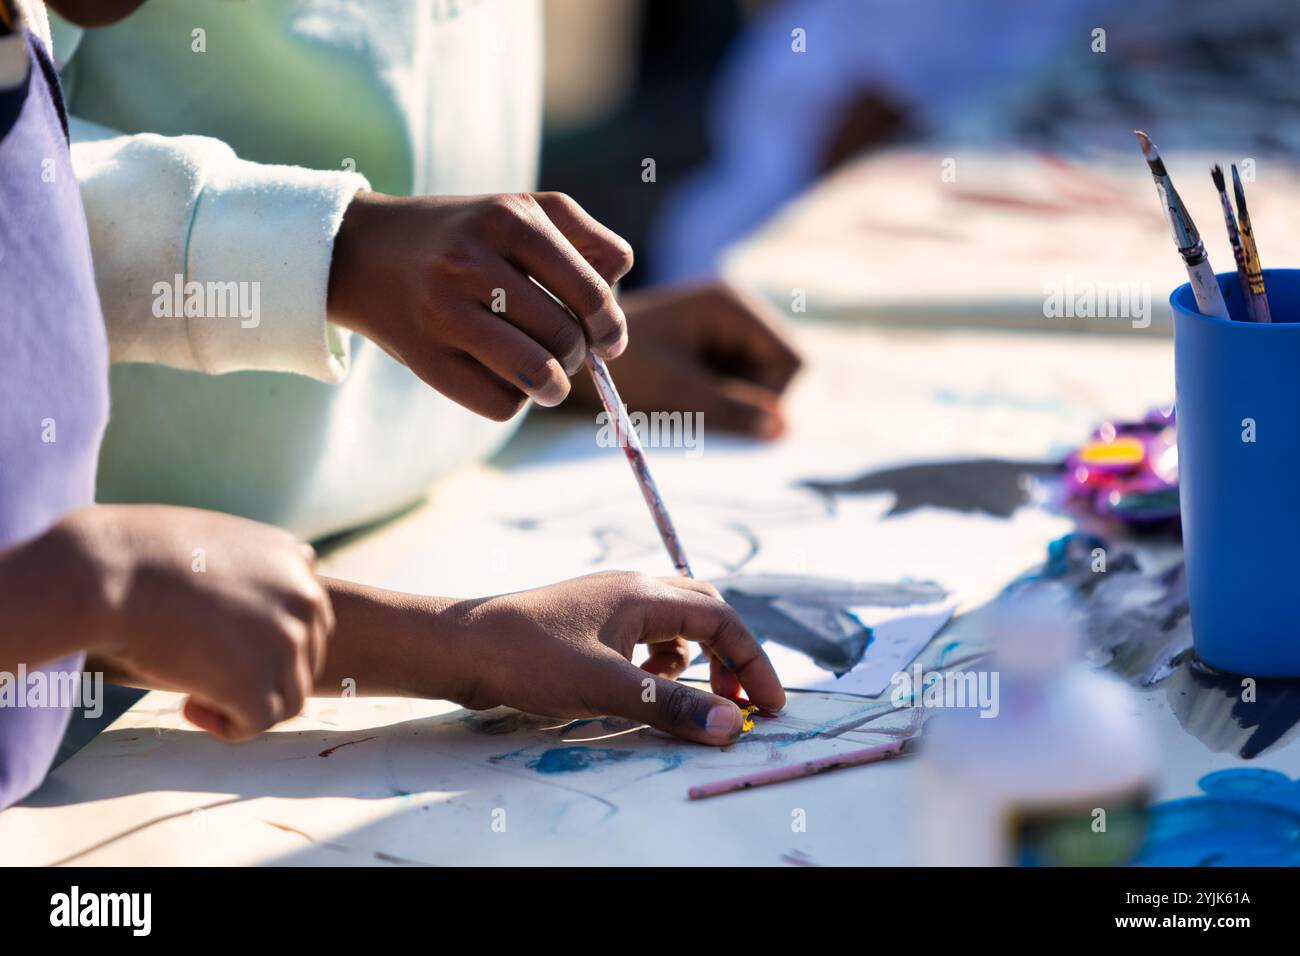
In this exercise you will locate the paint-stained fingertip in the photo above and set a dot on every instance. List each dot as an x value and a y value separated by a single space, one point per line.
723 722
554 388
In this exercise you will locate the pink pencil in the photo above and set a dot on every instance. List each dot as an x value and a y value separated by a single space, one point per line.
854 758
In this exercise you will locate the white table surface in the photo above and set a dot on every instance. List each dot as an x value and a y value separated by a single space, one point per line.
417 782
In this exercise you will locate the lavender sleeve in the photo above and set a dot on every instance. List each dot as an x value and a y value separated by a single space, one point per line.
53 375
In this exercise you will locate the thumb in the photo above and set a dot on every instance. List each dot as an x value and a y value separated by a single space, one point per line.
222 722
208 718
678 709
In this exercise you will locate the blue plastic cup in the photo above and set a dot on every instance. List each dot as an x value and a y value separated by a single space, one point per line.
1238 407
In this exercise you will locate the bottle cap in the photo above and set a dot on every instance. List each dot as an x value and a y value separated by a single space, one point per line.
1037 629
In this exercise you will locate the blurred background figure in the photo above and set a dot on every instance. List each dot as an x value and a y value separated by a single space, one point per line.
764 98
626 81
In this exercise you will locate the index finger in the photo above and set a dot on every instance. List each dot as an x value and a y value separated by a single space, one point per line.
695 610
608 252
543 251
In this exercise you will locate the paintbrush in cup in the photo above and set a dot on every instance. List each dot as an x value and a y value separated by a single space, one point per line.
1234 239
1205 287
1254 274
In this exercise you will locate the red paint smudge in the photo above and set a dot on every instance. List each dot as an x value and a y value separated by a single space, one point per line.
347 743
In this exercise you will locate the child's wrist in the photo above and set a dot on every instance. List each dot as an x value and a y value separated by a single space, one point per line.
392 644
85 557
349 288
447 637
462 665
69 588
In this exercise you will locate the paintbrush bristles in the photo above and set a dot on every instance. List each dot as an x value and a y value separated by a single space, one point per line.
1239 194
1216 173
1150 153
1254 271
1234 239
1209 298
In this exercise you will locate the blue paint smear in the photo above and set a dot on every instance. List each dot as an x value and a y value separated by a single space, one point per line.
579 759
1247 817
945 651
575 759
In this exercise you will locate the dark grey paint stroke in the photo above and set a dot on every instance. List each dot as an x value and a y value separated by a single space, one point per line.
991 486
835 640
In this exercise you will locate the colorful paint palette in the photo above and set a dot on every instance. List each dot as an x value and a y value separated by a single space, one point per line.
1128 471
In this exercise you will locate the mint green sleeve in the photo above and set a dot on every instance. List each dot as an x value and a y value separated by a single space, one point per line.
204 261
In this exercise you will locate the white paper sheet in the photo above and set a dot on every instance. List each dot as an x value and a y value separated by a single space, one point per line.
740 511
898 636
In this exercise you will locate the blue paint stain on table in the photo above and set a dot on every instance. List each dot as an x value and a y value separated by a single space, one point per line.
580 759
1246 817
576 759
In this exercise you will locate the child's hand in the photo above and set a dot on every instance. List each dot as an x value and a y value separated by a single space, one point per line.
706 349
564 651
223 608
444 284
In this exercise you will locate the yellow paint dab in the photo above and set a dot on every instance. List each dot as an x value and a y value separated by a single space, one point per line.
1125 450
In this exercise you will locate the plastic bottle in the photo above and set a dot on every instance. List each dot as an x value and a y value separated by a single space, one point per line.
1058 772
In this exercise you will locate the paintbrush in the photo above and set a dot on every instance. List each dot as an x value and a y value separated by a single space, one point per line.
1209 299
808 768
631 444
1234 238
1254 274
